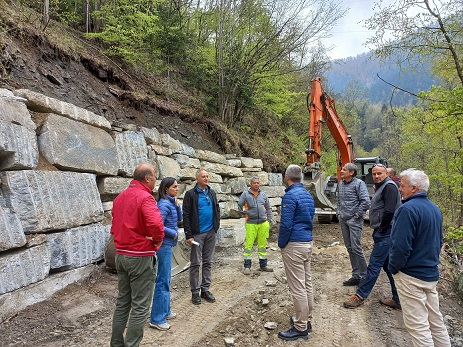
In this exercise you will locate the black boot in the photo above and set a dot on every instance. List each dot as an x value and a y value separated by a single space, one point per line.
263 266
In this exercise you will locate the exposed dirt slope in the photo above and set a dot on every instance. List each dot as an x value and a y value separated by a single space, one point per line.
81 314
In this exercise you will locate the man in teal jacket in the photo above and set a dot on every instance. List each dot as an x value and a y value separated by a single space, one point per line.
256 206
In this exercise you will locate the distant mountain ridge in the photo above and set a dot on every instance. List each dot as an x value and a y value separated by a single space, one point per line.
364 68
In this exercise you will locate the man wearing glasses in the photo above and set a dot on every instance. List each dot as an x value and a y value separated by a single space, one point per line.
201 220
384 203
353 203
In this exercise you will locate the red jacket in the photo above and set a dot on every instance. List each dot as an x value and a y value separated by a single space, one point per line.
136 217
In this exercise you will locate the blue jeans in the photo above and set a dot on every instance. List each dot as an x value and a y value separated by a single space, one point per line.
379 258
161 299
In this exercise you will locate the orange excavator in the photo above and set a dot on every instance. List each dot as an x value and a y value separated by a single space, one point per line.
322 111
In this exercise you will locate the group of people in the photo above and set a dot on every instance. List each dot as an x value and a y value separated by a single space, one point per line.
407 234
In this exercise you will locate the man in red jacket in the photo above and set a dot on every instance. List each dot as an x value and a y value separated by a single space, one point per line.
138 232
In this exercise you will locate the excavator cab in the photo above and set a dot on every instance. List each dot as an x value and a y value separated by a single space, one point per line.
365 167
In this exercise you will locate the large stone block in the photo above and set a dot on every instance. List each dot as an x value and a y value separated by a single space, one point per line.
18 147
11 232
221 169
229 209
13 111
22 268
186 162
131 151
273 191
211 156
171 143
275 179
76 146
231 232
251 162
44 104
110 187
168 167
50 200
78 247
152 136
236 185
275 202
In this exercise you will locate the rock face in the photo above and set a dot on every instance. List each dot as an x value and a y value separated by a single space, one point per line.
59 174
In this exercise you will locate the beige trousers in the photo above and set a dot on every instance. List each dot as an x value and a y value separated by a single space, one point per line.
420 308
296 259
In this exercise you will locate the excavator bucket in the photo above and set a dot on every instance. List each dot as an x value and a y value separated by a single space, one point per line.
316 185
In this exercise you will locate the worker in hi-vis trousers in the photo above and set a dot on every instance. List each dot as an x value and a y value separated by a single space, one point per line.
256 206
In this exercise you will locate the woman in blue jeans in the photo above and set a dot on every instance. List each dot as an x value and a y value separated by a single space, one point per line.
171 212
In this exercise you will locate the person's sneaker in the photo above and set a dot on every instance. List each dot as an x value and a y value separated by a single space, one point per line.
266 269
195 299
207 295
309 324
354 301
171 315
247 271
162 326
351 282
293 334
390 303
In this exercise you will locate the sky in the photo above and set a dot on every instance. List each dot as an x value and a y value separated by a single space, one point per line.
349 35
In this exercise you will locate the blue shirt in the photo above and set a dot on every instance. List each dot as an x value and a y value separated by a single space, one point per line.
205 210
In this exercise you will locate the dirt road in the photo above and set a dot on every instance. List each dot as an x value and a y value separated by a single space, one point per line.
81 314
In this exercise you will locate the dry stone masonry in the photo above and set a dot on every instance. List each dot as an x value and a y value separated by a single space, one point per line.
60 170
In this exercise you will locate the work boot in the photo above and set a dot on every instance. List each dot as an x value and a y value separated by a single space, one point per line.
354 301
293 334
390 303
266 269
352 282
263 266
207 295
247 271
195 299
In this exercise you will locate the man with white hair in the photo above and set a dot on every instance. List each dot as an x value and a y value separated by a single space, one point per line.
416 241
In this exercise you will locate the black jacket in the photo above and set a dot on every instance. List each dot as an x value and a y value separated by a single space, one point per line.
190 212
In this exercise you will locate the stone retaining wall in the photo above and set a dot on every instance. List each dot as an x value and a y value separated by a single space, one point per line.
59 173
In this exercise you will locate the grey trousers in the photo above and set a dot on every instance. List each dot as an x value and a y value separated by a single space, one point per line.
136 285
296 259
352 235
202 255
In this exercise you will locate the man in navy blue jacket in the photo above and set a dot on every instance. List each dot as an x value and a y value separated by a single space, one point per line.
416 241
295 241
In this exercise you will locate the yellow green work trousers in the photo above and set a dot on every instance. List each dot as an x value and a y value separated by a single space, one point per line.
261 232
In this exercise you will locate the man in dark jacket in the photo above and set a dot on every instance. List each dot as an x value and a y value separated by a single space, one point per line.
416 241
138 232
201 220
384 203
295 241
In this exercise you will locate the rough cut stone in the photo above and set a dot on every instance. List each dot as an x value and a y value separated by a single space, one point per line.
41 103
221 169
171 143
263 177
187 150
16 301
211 156
229 209
76 146
234 162
152 136
11 232
78 247
168 167
251 162
131 151
50 200
110 187
275 202
185 161
12 111
161 150
273 191
18 147
187 173
231 232
236 185
275 179
22 268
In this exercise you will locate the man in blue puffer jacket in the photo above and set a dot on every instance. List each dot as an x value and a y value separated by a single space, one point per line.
295 241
